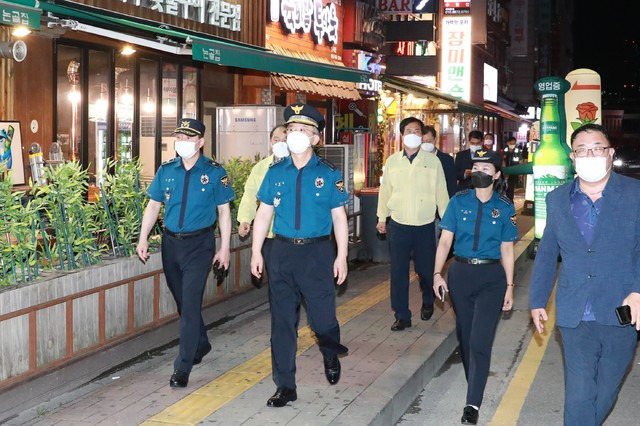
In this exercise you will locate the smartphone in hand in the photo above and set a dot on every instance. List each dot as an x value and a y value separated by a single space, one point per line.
442 293
624 314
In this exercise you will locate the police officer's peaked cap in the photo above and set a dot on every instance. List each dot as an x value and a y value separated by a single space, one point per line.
190 127
304 114
487 156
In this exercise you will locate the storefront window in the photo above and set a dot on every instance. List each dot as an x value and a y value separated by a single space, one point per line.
69 96
148 113
189 92
125 96
95 117
169 109
99 68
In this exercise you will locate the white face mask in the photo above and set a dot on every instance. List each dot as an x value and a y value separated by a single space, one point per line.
298 142
280 149
592 169
474 148
428 146
412 141
185 149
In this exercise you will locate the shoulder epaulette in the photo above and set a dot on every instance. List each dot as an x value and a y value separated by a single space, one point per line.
170 161
462 192
327 163
276 161
213 162
505 199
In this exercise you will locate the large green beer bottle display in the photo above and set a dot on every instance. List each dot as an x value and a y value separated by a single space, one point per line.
551 163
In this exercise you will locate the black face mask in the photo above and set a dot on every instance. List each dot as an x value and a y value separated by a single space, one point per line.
481 180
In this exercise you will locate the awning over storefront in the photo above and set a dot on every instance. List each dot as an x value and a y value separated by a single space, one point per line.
509 115
421 90
205 48
329 88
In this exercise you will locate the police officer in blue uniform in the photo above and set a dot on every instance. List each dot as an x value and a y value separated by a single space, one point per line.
192 187
307 195
480 280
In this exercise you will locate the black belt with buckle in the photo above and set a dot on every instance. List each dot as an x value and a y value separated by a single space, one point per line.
475 260
302 241
187 235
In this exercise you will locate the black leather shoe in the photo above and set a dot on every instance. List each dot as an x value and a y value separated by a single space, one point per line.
469 416
179 379
426 312
400 325
198 358
281 397
332 369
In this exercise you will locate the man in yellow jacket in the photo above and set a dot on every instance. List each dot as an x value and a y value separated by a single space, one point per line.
248 204
413 187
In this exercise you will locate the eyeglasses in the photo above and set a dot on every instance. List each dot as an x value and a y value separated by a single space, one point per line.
598 151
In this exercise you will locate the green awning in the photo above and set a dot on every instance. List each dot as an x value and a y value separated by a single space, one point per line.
19 14
208 49
238 56
411 86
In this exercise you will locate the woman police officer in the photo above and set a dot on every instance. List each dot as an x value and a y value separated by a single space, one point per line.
480 280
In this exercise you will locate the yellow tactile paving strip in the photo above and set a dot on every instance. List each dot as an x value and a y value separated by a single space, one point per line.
204 401
508 410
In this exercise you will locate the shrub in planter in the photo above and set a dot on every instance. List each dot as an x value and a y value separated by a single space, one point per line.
238 170
120 205
18 254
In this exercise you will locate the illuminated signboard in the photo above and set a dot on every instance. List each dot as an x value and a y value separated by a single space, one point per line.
490 88
456 57
310 16
213 12
457 7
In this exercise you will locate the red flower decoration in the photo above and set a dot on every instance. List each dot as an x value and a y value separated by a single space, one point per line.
587 112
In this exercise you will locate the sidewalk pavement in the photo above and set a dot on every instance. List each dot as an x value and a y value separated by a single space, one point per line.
381 376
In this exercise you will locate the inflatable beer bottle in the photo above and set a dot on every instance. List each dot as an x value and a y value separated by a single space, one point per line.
551 163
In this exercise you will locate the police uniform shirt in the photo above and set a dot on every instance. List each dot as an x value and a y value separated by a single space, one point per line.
412 190
190 197
247 208
302 199
479 227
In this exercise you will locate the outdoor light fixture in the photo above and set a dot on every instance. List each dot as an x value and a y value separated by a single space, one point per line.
16 50
128 50
127 96
20 31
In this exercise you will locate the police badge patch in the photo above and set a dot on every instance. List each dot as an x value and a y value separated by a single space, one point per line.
340 185
319 182
514 222
204 179
495 213
276 201
224 180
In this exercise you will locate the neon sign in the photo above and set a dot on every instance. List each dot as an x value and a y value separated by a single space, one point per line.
310 16
213 12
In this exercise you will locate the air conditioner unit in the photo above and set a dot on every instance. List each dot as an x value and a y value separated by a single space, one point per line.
340 156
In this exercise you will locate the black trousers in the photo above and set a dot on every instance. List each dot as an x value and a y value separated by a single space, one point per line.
297 272
187 264
477 294
405 241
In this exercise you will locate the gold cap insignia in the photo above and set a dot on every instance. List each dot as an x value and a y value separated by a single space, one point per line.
481 153
297 109
185 123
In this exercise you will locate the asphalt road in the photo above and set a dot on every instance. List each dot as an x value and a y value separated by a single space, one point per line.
443 398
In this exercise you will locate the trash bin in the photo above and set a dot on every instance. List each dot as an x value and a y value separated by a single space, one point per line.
376 245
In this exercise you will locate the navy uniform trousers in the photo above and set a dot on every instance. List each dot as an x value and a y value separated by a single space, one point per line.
405 240
187 263
296 272
596 358
477 295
